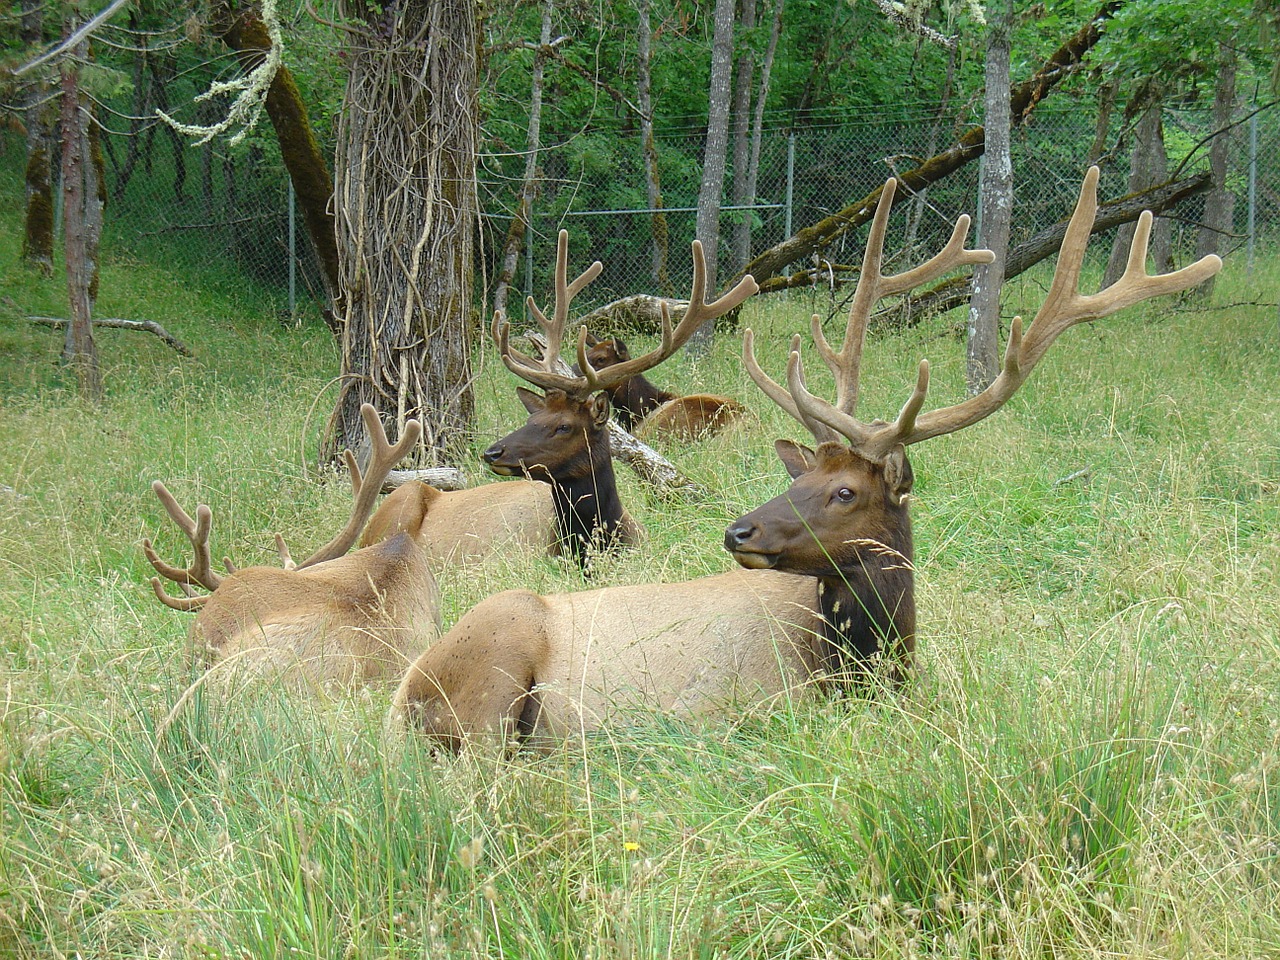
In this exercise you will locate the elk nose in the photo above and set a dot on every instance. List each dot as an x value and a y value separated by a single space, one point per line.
493 454
738 534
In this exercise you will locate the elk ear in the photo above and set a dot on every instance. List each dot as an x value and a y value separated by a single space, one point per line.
897 474
797 458
598 409
620 350
532 402
591 339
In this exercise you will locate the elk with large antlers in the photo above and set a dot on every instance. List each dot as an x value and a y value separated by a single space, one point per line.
565 442
519 664
334 617
844 519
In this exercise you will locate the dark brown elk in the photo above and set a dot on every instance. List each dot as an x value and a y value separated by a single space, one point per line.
649 412
828 584
565 443
844 520
333 618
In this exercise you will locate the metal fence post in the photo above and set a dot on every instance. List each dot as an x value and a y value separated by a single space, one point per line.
1253 184
791 189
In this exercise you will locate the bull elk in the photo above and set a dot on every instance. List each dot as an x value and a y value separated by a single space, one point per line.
333 618
565 443
650 412
827 586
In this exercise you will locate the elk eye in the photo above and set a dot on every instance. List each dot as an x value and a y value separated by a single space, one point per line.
564 428
845 495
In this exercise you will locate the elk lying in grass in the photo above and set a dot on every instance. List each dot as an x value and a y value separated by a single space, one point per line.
650 413
565 442
333 618
519 664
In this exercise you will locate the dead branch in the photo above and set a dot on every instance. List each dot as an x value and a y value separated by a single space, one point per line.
147 326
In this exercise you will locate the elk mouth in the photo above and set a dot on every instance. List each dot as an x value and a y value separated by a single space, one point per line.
505 469
756 561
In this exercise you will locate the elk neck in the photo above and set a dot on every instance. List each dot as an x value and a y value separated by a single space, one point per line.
635 398
868 607
589 510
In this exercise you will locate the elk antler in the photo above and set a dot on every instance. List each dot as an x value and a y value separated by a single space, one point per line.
383 457
1063 307
546 374
365 489
200 571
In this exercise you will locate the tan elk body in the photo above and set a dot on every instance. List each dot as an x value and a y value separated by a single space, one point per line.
828 589
335 618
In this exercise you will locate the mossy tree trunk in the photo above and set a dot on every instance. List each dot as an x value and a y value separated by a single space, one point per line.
243 31
406 223
37 237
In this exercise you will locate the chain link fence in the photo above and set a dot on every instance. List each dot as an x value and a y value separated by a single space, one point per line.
228 212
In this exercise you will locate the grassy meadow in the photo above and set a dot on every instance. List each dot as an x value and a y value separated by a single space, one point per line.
1088 765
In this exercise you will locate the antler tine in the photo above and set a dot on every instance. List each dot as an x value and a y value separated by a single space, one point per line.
365 489
772 389
1063 307
546 372
824 421
185 604
696 314
201 570
526 368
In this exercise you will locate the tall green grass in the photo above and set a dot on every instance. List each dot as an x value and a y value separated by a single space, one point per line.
1086 767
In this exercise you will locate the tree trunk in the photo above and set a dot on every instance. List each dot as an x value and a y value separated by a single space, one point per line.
529 187
740 244
1218 205
652 182
406 209
37 237
719 93
1102 128
82 225
244 32
982 346
1148 165
743 241
768 265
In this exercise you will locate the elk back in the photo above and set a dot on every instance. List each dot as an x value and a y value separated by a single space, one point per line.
361 618
467 526
691 418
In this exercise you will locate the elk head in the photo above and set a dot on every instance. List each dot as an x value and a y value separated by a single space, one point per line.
844 519
566 440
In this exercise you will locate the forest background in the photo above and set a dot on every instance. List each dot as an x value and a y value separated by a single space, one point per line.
853 95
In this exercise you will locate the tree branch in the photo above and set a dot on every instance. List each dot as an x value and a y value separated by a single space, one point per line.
147 326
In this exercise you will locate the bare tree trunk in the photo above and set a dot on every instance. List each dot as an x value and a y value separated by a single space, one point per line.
742 83
1148 165
528 188
982 347
652 182
406 205
1218 205
37 238
82 225
719 94
743 241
